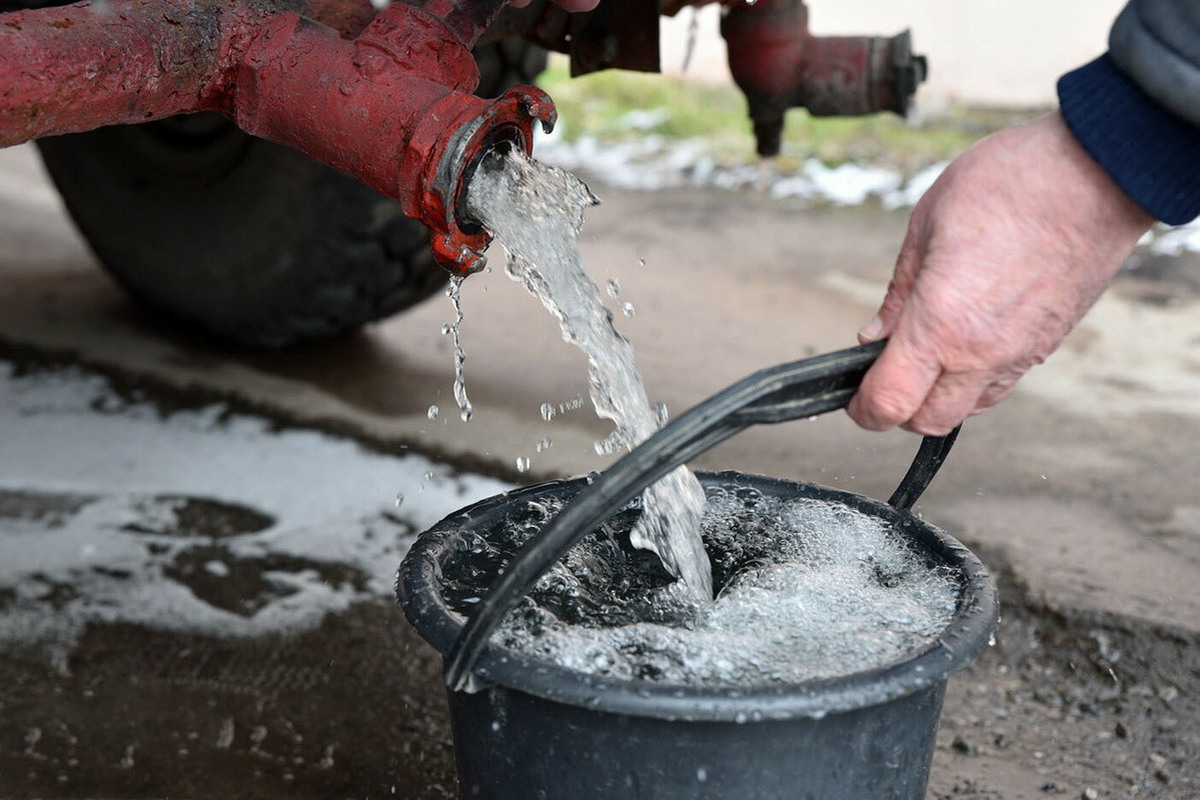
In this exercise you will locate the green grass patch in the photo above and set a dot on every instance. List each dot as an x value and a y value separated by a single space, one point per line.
600 105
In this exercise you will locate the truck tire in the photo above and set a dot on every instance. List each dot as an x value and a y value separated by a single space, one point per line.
244 239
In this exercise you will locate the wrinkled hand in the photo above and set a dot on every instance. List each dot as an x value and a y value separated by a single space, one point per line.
1004 254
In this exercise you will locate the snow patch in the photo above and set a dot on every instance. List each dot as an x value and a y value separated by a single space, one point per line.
200 520
653 163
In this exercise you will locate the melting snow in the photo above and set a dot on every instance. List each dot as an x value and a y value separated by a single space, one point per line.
1174 241
654 162
112 511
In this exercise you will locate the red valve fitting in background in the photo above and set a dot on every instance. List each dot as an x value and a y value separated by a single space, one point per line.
779 64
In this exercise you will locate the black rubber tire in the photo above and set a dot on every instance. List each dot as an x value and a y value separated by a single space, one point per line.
247 240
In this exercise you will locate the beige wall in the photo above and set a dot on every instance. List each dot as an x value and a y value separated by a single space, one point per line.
980 51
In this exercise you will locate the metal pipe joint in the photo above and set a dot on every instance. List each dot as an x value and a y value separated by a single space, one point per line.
779 65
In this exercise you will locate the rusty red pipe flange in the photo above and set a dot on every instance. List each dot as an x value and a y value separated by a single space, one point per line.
392 107
779 64
458 242
366 108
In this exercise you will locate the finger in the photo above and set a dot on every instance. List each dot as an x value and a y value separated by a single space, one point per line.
904 276
894 388
953 398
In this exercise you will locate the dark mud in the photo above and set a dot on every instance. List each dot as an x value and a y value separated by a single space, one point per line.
1082 706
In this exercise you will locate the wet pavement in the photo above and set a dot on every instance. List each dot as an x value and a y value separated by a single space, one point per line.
230 632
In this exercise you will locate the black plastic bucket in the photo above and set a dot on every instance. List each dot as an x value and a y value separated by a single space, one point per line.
526 729
539 731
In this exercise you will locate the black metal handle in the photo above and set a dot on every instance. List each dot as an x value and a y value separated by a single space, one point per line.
796 390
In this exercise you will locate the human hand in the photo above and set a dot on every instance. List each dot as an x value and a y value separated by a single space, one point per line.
1003 256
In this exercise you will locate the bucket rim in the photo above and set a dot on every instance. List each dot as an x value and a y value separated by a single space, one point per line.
963 639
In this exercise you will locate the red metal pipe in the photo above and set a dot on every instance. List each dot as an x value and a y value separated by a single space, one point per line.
392 107
367 108
467 18
78 67
779 64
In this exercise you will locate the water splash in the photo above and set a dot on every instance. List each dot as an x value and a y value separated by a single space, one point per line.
809 589
536 212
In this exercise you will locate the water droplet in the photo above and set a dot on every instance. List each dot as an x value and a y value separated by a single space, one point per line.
642 262
432 413
544 444
661 415
399 499
701 774
454 291
547 412
447 329
628 310
522 464
614 288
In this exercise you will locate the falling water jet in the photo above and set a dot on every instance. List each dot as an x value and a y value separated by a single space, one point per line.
536 212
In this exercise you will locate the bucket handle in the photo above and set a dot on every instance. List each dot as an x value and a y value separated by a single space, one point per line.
795 390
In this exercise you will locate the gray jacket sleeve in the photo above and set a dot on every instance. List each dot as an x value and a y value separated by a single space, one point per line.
1156 43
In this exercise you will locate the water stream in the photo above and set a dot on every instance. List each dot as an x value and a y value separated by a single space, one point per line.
536 212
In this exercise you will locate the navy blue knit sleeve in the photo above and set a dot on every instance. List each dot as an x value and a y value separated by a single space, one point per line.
1153 155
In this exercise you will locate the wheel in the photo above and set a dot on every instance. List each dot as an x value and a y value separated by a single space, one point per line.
245 239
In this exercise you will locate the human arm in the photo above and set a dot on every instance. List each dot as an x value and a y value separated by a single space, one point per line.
1022 233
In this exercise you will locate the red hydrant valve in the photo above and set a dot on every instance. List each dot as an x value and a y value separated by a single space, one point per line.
780 65
455 152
